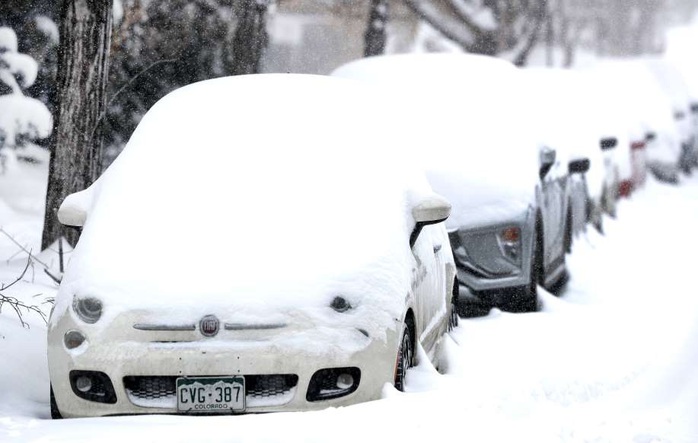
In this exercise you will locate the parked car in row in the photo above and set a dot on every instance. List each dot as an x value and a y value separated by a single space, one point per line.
562 99
229 264
654 137
675 88
509 191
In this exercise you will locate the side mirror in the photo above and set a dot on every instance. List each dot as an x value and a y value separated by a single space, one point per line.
608 143
694 107
73 210
431 210
546 158
579 166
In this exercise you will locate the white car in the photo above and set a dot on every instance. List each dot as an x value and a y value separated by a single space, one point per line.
256 247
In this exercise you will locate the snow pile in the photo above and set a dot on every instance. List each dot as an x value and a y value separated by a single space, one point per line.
476 149
257 218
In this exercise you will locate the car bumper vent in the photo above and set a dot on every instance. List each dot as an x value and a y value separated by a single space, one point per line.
265 386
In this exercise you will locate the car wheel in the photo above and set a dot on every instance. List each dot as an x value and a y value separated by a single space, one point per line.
568 233
453 318
525 298
529 301
609 203
405 357
55 413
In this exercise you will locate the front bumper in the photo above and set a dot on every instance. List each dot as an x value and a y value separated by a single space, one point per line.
278 373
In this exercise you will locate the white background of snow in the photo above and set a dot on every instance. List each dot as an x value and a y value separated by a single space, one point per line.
612 360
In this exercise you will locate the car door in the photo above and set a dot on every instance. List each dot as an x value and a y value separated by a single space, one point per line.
429 283
553 207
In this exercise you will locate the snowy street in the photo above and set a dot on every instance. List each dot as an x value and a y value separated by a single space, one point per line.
613 359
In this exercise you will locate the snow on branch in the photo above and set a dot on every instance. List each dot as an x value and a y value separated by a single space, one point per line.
22 119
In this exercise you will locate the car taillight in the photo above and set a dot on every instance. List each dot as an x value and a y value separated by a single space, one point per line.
625 188
637 145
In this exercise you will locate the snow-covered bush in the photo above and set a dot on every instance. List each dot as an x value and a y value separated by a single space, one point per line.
22 119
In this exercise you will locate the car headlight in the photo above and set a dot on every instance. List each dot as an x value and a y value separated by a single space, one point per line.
89 309
509 240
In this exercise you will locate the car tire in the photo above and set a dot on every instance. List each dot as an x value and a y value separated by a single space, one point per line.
525 298
405 356
568 233
453 318
609 203
55 413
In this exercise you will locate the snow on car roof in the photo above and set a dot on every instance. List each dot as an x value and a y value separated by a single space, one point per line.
478 150
273 191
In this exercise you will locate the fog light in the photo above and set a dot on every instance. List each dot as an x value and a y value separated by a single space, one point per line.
345 381
93 386
72 339
331 383
83 384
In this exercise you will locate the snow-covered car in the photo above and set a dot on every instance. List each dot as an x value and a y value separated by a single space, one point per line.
569 125
255 247
654 140
507 189
674 85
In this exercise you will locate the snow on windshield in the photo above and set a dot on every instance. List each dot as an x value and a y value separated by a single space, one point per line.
212 204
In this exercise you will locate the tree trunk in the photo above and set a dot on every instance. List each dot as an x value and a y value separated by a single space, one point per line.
76 154
539 16
250 37
375 36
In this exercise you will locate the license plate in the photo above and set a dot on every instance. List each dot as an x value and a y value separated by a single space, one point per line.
211 395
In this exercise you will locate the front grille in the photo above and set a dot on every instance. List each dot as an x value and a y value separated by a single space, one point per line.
265 386
150 388
160 391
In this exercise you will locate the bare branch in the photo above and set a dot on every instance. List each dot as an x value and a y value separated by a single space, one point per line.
16 304
33 257
21 276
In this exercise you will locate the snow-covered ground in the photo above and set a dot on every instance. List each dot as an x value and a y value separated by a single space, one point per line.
613 359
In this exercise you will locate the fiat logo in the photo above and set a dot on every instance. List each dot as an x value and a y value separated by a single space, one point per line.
209 326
